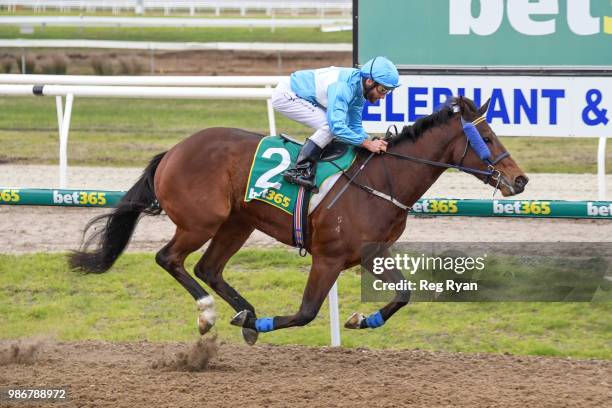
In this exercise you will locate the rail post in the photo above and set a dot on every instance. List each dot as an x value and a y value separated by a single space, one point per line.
601 168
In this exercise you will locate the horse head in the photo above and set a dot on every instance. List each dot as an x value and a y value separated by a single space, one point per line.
478 147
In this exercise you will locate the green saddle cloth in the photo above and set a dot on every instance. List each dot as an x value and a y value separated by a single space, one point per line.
274 155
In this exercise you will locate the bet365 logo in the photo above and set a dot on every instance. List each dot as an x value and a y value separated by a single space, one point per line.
527 17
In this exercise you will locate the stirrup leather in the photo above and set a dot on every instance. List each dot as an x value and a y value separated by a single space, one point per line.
303 173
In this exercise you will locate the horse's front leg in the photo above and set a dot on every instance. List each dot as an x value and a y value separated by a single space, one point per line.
377 319
323 273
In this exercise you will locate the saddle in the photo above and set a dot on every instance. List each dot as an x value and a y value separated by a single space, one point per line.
332 151
266 183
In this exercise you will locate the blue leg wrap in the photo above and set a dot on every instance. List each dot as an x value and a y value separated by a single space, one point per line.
375 320
265 324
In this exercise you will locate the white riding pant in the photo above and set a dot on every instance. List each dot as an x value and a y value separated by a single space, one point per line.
292 106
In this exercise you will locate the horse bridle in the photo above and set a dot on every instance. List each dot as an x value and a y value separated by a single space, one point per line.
485 154
495 174
472 137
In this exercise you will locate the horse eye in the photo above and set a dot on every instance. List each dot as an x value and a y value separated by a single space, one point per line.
486 139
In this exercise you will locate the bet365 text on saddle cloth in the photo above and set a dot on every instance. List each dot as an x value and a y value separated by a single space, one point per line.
272 157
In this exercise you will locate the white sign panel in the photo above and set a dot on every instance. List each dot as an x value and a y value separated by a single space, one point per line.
520 105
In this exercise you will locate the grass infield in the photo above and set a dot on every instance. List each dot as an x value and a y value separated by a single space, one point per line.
128 132
137 300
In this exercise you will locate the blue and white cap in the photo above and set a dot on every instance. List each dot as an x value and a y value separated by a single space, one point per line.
381 70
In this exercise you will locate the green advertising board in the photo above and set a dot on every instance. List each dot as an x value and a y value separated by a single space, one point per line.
485 33
59 197
423 207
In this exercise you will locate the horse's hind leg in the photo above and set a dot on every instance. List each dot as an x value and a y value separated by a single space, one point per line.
377 319
172 258
226 242
323 274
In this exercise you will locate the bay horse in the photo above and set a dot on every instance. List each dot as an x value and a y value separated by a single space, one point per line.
200 184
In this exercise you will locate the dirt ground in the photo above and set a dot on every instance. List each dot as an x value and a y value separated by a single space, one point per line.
48 229
82 62
102 374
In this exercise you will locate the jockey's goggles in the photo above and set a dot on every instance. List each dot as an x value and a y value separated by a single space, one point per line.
381 89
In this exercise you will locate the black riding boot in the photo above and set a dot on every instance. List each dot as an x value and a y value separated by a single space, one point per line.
303 173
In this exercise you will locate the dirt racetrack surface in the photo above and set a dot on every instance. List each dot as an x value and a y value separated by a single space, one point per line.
105 374
208 62
48 229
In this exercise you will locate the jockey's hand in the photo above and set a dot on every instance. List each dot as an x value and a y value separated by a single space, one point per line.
375 146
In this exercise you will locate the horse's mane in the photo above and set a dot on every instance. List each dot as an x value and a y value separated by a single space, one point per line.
440 117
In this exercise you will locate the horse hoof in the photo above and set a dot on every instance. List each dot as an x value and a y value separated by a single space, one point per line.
204 326
354 322
250 336
240 318
208 317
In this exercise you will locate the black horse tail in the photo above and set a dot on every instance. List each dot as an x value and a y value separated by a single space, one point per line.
118 225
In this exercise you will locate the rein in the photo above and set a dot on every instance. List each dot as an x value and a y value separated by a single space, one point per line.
473 138
440 164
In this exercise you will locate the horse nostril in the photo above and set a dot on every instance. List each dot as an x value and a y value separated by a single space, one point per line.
520 182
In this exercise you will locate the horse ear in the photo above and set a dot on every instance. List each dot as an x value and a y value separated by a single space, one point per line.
484 107
458 104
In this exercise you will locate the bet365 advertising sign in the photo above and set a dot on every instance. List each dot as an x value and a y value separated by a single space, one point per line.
566 34
531 33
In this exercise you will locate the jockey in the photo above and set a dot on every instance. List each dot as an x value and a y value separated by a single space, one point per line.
330 100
